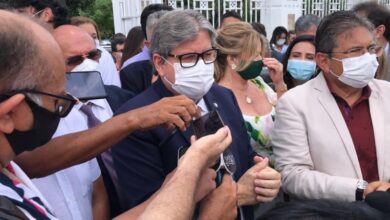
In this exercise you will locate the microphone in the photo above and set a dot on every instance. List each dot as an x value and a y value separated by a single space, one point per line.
379 200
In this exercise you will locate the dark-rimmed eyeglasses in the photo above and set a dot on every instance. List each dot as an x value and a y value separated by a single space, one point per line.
77 60
191 59
63 104
358 51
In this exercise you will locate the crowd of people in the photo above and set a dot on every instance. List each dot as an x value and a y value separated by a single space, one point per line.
197 122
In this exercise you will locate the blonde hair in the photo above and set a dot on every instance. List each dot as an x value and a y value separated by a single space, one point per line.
80 20
238 40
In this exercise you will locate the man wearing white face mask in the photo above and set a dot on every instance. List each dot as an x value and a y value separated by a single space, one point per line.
329 137
78 192
183 55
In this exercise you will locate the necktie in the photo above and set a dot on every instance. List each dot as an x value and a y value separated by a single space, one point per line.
92 119
104 160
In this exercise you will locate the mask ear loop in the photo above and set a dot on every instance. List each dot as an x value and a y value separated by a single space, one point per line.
163 76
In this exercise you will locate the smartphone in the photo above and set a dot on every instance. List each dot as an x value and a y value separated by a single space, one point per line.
210 123
207 124
85 85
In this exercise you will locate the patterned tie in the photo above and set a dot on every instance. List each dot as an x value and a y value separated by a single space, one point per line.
92 119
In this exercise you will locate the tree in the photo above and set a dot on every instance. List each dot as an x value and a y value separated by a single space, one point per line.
98 10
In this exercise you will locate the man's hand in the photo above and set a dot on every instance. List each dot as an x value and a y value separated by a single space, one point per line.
267 183
376 186
176 111
206 184
222 202
207 149
246 194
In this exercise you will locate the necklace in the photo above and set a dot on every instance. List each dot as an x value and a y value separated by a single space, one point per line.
248 99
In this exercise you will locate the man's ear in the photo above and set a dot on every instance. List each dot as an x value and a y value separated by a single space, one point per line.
380 30
47 15
6 109
322 61
147 43
158 63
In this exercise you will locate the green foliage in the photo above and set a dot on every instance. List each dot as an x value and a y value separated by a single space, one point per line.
98 10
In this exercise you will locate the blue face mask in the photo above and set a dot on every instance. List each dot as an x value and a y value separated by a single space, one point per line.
301 69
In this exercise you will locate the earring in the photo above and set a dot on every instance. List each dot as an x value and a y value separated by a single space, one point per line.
233 66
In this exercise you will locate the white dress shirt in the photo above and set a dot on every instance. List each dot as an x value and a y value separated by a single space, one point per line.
109 73
69 191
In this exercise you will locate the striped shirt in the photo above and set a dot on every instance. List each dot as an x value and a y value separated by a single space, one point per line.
18 188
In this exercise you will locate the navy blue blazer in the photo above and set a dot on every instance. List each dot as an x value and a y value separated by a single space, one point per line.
137 77
143 159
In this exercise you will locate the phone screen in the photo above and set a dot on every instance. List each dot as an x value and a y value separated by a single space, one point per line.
207 124
85 85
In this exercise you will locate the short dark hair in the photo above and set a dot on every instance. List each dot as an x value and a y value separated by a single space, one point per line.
60 11
335 24
288 79
305 22
233 14
323 210
150 9
260 28
117 39
278 31
21 60
377 14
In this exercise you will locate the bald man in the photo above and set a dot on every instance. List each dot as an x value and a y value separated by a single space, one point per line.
23 115
78 192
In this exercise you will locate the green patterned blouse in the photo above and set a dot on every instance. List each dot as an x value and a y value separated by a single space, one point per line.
259 127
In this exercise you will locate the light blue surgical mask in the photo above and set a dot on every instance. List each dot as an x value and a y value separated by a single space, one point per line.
301 69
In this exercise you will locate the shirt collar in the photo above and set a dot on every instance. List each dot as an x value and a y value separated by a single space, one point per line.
366 93
96 102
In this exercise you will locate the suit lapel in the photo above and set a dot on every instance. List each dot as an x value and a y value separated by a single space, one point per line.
328 102
378 123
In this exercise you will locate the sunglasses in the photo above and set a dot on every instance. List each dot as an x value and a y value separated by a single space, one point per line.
77 60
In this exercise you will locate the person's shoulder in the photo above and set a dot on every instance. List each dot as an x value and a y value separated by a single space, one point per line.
147 97
381 85
217 89
136 66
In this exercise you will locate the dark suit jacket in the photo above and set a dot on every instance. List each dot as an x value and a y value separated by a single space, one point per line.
116 96
137 77
143 159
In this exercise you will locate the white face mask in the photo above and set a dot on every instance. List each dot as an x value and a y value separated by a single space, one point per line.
358 71
193 82
87 65
280 42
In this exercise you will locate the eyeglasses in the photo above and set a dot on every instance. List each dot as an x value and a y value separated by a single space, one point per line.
63 104
77 60
358 51
191 59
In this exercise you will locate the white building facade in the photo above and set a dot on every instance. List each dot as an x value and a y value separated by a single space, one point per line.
271 13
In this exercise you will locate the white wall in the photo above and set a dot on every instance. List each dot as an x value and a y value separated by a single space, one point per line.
127 13
280 13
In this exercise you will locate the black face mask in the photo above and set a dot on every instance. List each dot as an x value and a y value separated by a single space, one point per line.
44 125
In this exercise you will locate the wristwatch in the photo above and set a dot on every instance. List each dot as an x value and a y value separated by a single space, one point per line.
360 187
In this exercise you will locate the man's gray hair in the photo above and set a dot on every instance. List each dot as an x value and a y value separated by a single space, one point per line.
304 23
336 24
152 22
21 61
176 27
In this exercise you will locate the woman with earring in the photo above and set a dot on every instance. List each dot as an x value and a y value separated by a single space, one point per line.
238 68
